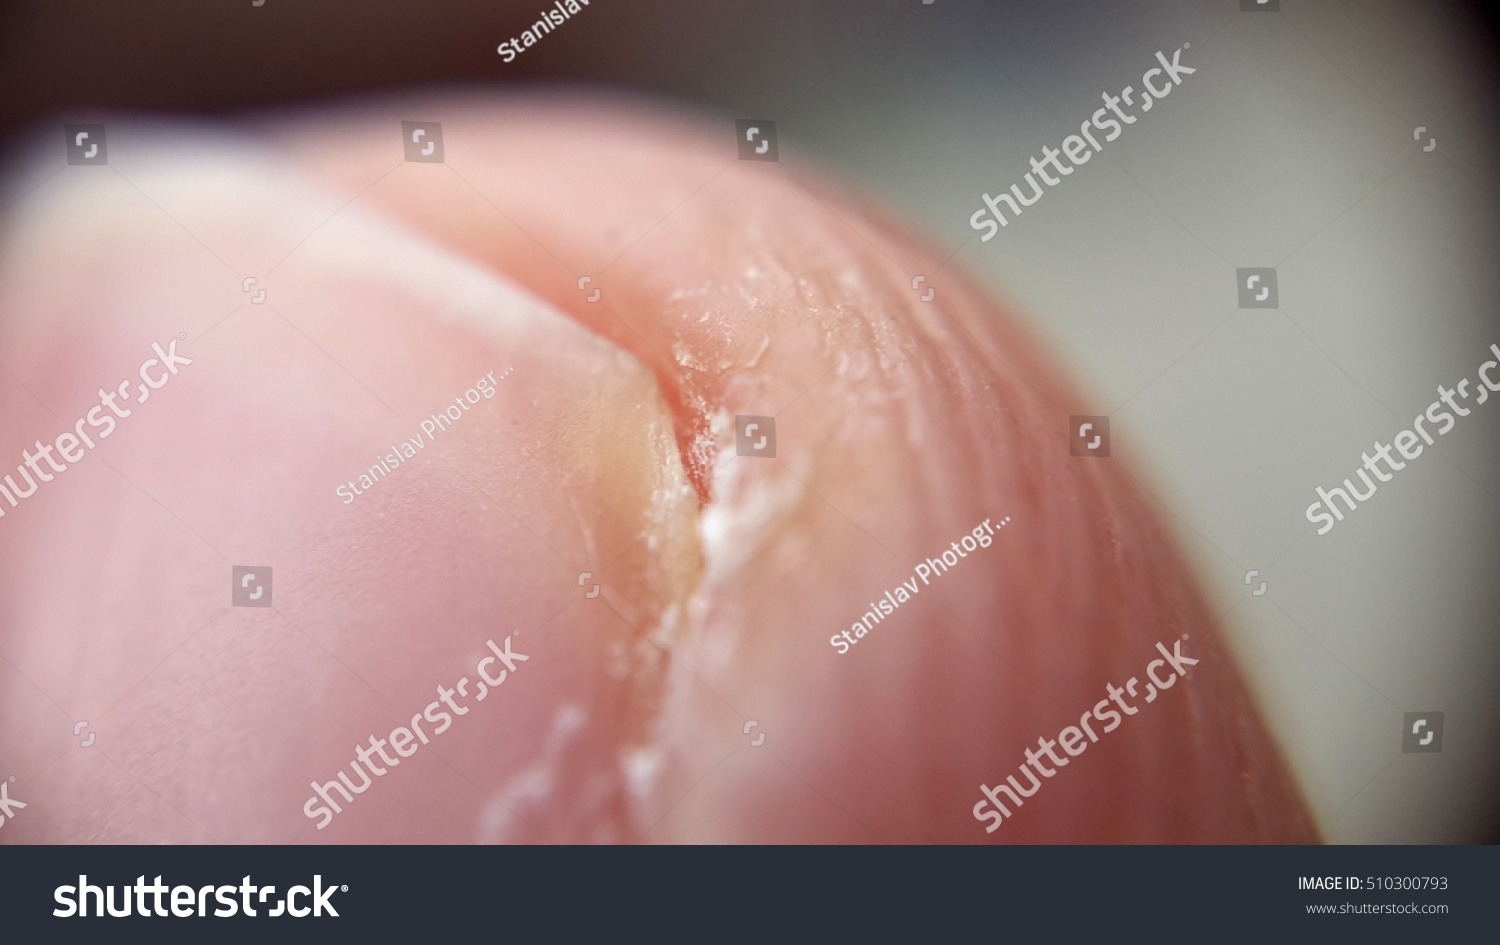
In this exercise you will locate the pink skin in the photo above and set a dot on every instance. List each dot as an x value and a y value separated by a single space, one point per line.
727 288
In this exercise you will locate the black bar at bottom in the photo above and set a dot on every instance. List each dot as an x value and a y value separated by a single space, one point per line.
704 894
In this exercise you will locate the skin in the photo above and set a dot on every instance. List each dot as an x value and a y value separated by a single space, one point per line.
728 287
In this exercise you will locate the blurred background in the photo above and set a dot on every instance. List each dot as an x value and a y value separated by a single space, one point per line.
1294 146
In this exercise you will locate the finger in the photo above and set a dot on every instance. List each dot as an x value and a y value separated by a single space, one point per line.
901 425
336 432
898 425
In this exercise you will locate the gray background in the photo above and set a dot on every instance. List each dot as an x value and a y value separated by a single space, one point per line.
1291 146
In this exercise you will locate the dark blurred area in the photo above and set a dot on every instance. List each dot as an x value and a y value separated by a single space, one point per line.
216 55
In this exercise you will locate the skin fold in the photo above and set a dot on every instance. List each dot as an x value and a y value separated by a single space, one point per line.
726 288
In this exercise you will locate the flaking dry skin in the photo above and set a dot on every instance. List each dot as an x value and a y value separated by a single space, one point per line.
749 288
727 288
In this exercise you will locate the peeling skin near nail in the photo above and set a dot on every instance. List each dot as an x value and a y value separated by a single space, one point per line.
909 421
577 411
898 427
920 418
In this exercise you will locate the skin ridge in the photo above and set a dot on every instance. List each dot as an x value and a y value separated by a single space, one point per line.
1019 402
